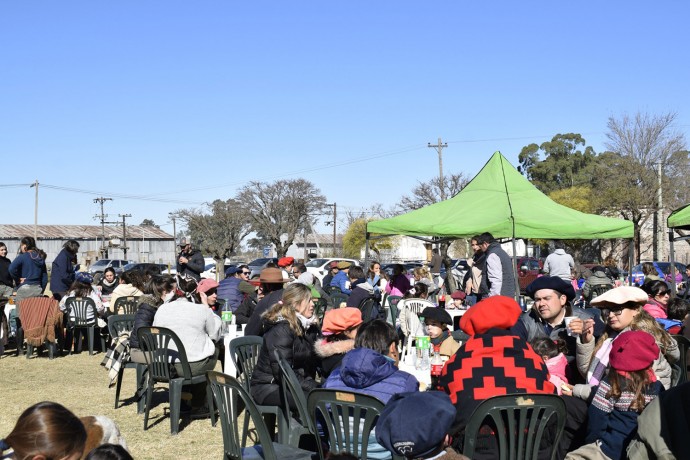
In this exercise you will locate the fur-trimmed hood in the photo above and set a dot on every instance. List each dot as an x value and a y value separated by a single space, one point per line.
325 349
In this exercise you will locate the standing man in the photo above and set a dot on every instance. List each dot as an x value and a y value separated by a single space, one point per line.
189 261
435 265
499 272
62 270
474 277
559 263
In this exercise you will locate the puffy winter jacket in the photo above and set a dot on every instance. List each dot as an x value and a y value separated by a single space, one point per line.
146 310
228 289
298 351
365 371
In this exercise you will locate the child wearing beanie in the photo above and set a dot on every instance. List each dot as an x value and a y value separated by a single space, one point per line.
620 397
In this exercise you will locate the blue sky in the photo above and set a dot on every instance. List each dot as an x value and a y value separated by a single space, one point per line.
166 99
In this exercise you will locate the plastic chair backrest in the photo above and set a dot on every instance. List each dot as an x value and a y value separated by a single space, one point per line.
78 311
244 352
417 306
519 422
226 391
290 384
117 324
598 290
128 305
369 309
393 301
683 346
349 418
320 306
337 298
155 343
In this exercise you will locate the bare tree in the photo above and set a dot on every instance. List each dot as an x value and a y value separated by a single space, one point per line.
217 230
426 193
627 178
429 192
279 211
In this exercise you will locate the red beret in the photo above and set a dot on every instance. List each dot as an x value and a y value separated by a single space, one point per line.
633 351
498 311
285 261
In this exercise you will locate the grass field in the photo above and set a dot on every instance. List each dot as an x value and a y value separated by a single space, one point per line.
80 383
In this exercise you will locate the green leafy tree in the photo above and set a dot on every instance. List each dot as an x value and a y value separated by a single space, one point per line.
148 223
567 162
279 211
354 240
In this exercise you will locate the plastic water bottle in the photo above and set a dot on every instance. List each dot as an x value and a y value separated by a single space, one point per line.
226 316
423 343
436 368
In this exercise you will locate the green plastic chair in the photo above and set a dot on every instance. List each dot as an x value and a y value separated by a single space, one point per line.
392 302
82 316
519 422
289 384
117 325
348 417
683 345
155 344
128 305
337 298
228 392
244 352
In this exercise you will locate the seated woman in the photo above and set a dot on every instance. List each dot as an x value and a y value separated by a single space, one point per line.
82 287
197 327
109 282
45 430
659 295
290 327
409 322
399 283
622 309
158 290
131 285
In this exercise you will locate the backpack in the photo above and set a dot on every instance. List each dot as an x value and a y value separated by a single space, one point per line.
371 309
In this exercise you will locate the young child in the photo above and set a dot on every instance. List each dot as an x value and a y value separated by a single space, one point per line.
621 396
553 354
437 321
677 315
458 302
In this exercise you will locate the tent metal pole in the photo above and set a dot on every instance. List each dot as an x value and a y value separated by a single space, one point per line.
631 257
515 268
673 261
366 252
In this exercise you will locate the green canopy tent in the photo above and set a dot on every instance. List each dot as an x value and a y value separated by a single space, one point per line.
499 200
678 220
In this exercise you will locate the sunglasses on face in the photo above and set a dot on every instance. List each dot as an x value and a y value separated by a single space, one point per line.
246 273
663 293
606 312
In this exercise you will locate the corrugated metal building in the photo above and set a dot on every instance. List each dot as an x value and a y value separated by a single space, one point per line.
144 244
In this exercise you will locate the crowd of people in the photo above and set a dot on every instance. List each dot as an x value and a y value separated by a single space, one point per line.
610 357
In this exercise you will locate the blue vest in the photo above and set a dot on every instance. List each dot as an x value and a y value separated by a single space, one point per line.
228 289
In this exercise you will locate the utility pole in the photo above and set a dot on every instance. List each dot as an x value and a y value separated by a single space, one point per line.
660 223
102 216
35 184
335 215
124 234
439 148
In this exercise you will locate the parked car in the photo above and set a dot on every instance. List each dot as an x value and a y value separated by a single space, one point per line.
319 267
100 265
528 269
147 267
661 268
256 265
408 266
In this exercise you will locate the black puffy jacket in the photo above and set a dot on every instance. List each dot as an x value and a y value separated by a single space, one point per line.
142 318
298 351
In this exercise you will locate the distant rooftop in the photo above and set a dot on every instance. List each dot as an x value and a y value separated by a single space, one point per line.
80 232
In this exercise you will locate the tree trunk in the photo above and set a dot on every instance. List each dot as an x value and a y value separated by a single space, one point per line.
449 283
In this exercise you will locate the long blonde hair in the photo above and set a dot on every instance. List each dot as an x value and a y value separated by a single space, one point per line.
423 272
286 307
643 321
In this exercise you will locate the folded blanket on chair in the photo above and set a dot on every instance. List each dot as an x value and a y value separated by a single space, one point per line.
40 316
